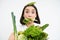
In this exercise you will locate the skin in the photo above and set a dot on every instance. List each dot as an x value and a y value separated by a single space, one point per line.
29 12
11 37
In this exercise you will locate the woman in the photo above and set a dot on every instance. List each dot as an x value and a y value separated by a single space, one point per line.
29 11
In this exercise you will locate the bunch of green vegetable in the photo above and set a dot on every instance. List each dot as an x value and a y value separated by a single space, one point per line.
35 32
31 33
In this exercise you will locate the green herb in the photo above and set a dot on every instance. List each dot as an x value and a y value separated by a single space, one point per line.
45 26
32 31
27 20
22 37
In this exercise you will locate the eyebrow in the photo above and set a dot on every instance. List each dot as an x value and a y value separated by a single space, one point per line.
26 9
33 10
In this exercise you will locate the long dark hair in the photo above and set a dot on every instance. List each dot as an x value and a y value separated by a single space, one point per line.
37 17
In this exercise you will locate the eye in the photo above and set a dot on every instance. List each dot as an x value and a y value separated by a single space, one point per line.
33 12
27 11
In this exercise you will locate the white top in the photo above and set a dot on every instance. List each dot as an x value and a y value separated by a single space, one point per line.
24 27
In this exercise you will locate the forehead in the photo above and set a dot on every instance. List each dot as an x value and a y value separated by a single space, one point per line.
29 8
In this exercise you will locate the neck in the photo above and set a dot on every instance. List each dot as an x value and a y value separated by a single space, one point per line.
29 24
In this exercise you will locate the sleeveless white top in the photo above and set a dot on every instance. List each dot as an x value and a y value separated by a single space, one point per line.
24 27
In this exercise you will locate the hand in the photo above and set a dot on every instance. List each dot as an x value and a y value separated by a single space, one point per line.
11 37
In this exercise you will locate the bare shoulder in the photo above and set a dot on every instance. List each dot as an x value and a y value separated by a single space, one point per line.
11 37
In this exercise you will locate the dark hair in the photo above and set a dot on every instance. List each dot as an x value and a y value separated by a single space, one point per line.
37 17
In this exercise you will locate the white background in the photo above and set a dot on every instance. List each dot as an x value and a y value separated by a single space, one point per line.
49 12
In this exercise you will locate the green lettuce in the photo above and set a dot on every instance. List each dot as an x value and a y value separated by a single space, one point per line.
36 32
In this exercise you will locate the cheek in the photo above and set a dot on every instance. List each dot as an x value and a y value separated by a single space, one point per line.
34 16
25 15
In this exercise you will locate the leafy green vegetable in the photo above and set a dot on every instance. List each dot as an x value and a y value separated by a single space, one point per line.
45 26
36 32
32 31
27 20
22 37
32 3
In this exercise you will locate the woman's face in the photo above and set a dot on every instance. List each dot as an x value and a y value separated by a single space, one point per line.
30 12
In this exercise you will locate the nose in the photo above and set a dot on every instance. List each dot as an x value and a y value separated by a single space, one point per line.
30 15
